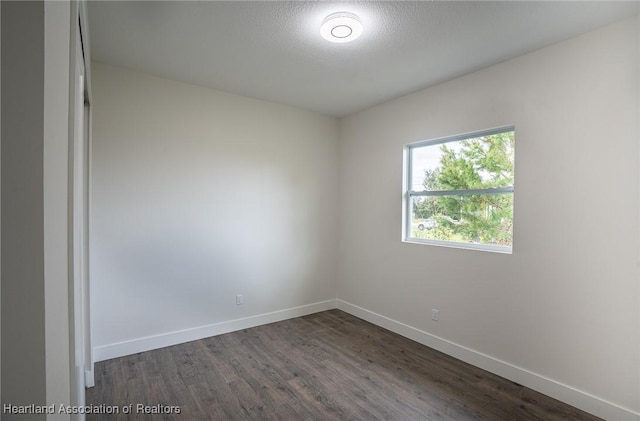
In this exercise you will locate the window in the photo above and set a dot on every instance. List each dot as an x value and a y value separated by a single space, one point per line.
460 191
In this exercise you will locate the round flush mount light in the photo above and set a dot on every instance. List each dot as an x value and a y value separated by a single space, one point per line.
341 27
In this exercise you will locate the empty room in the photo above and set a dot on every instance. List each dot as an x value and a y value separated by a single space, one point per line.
320 210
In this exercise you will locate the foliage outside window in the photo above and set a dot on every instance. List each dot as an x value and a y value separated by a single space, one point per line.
460 191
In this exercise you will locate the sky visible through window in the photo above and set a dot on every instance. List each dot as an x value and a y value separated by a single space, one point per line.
428 158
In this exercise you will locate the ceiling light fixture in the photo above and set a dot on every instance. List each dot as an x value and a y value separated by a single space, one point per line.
341 27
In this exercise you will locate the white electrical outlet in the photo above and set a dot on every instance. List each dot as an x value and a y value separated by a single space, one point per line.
435 315
239 299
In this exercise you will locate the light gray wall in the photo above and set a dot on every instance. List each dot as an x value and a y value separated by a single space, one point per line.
199 195
565 305
35 179
23 311
0 204
56 196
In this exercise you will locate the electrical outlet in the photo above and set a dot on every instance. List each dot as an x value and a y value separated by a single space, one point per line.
239 299
435 315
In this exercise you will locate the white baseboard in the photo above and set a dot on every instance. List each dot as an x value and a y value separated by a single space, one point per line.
120 349
549 387
89 380
89 369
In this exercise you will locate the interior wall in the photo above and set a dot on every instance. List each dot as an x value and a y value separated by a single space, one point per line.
55 174
23 310
1 206
199 195
565 305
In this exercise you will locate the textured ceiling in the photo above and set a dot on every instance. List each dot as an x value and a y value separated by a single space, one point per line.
272 50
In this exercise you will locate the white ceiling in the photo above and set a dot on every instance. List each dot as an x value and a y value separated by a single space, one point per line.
272 50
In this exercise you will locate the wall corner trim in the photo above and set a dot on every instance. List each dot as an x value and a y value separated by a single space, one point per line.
562 392
120 349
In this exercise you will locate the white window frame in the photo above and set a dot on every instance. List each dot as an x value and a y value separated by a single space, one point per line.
410 194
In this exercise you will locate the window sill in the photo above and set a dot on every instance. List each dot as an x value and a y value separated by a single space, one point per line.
466 246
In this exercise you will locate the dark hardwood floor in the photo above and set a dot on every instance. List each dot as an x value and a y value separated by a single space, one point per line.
325 366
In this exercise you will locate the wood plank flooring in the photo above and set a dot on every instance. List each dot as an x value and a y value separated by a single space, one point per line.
325 366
